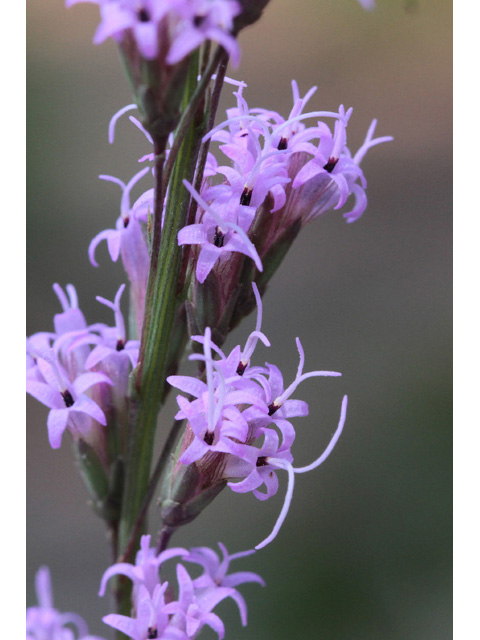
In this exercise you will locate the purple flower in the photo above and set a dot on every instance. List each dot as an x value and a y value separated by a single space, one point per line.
150 621
47 623
332 173
215 574
279 462
219 232
69 405
110 342
240 412
128 240
215 417
272 153
193 610
145 572
183 24
202 20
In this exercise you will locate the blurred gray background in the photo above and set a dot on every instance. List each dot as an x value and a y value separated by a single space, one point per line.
365 551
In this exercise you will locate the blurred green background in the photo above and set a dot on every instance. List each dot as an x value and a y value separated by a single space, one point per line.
365 552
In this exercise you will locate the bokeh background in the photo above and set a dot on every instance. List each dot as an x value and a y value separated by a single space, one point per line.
365 551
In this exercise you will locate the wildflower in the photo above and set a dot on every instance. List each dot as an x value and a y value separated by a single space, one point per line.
128 240
145 571
69 405
110 342
332 173
239 413
44 622
215 574
183 25
280 462
218 233
192 610
204 20
150 621
214 417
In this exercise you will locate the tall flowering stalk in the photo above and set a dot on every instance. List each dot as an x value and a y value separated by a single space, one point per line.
221 207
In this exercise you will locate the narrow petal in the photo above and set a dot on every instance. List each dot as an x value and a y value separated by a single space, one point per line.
56 423
44 393
331 444
187 384
126 625
286 505
206 261
121 568
87 380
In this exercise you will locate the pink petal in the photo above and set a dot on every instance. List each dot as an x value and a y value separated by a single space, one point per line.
187 384
206 261
56 423
86 405
44 393
87 380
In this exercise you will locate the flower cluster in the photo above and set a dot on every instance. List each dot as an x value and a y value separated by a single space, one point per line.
199 250
243 412
283 174
171 29
80 372
157 614
44 622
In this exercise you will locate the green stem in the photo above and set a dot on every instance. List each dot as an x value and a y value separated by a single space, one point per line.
185 120
160 309
172 438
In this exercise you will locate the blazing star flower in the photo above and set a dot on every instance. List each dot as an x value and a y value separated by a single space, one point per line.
334 172
203 20
240 411
218 234
193 610
66 398
110 342
44 622
128 240
151 620
215 419
273 152
186 24
120 236
145 572
215 574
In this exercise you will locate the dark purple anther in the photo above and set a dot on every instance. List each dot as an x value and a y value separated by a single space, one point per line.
246 196
67 398
218 238
330 166
241 368
272 408
198 21
144 16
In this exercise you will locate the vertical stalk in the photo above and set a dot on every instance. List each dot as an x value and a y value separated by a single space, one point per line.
160 309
